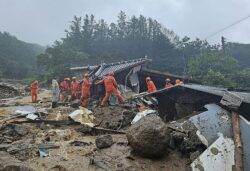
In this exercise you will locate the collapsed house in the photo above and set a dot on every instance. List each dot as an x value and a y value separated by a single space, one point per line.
221 118
130 75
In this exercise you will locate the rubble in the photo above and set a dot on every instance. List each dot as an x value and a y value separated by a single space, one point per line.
13 132
149 137
8 91
83 116
126 137
104 141
23 149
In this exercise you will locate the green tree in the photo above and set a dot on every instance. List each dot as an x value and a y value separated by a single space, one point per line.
214 68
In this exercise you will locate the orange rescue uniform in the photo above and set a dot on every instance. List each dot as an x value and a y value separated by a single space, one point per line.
64 86
151 87
111 88
74 88
85 92
34 91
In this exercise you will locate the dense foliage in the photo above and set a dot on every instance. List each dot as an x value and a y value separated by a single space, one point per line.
17 57
89 42
240 51
216 68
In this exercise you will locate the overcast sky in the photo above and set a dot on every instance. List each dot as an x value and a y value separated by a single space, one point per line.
44 21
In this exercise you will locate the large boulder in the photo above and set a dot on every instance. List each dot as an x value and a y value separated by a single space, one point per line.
149 137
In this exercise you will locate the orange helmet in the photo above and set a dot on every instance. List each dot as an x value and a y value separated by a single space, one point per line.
177 81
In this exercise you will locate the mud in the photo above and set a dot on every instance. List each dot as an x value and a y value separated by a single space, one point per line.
114 117
72 146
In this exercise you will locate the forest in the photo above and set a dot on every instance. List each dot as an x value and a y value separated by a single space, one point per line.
18 58
90 41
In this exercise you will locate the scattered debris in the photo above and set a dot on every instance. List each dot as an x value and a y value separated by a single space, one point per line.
219 156
83 116
129 135
139 115
80 143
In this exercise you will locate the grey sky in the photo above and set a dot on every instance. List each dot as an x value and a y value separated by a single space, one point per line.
44 21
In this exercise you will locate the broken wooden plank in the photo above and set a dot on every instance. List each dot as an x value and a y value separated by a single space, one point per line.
51 122
237 141
85 129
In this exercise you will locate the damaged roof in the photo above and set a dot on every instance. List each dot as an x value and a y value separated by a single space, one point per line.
210 90
103 69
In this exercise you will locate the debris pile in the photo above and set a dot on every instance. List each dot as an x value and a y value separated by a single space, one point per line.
8 91
181 128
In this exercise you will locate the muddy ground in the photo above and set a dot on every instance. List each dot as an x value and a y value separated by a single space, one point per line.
66 147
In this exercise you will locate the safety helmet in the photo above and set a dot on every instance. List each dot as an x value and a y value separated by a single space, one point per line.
177 81
86 75
148 79
168 80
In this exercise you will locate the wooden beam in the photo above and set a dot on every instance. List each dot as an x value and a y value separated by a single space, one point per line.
238 156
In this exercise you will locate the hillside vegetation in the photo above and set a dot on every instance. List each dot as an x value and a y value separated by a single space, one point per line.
18 58
91 41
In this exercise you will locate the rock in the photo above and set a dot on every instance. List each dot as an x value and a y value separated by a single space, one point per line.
149 137
194 155
104 141
176 139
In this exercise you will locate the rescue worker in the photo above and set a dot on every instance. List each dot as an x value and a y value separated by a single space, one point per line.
168 84
111 87
178 82
86 84
55 93
74 88
64 87
150 85
34 91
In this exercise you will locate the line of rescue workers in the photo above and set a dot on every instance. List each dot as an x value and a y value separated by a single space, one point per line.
81 89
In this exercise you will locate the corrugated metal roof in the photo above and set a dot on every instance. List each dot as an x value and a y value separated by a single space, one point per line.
119 66
245 96
104 68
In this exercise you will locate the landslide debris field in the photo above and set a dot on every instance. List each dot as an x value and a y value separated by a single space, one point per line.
53 141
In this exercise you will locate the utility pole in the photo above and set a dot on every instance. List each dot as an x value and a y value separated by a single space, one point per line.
223 43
